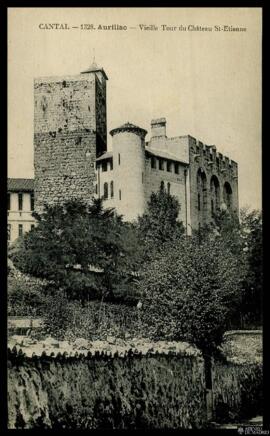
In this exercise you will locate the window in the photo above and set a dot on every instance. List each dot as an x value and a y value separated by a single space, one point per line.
153 162
32 226
161 164
169 187
112 189
142 177
8 202
169 167
119 194
32 201
162 186
212 207
105 190
118 158
96 189
9 232
176 168
104 166
111 164
217 162
20 201
20 230
199 202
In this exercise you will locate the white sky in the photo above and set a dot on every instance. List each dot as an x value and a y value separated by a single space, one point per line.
206 84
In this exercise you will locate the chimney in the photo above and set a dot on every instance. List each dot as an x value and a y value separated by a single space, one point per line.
158 127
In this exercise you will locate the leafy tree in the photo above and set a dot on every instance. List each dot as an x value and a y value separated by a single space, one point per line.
244 238
189 292
160 224
251 236
80 248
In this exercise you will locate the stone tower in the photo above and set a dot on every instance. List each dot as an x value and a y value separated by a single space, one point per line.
129 170
70 131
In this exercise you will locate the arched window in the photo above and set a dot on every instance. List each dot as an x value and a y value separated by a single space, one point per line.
169 188
111 189
227 195
105 191
215 194
202 196
162 186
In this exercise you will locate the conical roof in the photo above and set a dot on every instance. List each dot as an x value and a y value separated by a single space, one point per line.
129 127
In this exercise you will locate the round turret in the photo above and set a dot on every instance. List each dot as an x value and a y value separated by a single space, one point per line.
129 170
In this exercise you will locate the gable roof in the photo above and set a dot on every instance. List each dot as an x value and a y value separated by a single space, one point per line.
20 185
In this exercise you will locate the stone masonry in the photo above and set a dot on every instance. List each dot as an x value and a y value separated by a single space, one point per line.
69 133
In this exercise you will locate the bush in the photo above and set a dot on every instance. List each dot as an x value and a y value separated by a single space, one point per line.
95 320
25 295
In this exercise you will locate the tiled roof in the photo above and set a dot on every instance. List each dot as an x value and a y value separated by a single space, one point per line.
107 155
19 185
164 155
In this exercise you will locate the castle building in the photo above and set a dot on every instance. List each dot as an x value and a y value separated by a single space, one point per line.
72 161
199 177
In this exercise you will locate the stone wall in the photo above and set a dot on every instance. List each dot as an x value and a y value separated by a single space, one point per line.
135 390
104 391
63 169
65 137
210 164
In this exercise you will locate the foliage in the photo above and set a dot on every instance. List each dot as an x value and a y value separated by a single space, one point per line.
251 234
237 391
25 297
244 239
159 223
80 247
93 321
189 292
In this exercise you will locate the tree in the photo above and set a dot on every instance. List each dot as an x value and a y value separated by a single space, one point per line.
189 292
244 238
251 235
79 248
160 224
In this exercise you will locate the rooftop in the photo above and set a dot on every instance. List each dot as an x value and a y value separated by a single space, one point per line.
129 127
94 68
21 185
164 155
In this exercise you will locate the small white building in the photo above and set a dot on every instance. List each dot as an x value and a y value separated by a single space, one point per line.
20 207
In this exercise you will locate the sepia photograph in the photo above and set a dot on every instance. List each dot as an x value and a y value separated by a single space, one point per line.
134 239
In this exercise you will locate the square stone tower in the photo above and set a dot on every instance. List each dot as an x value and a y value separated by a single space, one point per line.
70 132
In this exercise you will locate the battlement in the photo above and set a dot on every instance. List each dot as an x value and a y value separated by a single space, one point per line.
209 152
